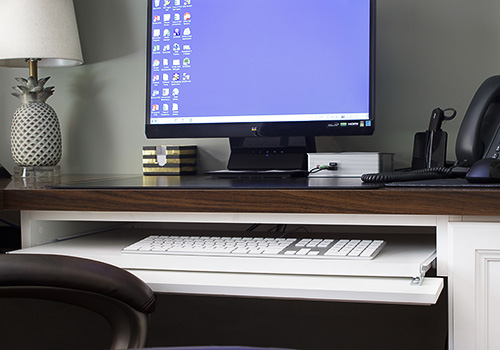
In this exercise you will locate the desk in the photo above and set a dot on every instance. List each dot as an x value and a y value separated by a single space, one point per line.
466 224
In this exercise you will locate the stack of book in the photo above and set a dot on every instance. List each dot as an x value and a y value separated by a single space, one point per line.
169 160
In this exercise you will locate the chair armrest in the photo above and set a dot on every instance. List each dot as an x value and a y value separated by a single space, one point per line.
76 273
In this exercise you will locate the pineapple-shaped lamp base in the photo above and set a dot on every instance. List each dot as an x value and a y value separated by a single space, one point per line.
36 142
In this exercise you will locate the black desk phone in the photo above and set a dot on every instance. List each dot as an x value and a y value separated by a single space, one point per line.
477 148
479 135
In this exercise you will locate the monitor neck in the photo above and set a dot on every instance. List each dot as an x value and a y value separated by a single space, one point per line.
270 153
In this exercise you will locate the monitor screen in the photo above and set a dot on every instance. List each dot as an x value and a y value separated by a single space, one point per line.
246 68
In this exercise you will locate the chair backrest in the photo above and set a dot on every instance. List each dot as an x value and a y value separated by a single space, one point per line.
220 348
121 298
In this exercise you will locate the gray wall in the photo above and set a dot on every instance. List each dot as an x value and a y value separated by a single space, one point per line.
430 53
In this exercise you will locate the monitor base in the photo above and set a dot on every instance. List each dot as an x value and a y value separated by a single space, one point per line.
258 174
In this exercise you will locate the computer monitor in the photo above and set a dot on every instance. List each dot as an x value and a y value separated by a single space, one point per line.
268 74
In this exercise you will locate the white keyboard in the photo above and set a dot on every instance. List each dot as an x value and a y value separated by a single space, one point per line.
260 247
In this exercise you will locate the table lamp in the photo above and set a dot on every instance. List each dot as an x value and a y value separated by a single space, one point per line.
37 33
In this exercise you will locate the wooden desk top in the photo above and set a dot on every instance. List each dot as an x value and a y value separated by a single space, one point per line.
16 194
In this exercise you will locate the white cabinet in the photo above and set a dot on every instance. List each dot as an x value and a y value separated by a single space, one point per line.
393 277
474 285
468 252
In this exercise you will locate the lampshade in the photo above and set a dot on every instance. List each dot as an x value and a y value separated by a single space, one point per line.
39 29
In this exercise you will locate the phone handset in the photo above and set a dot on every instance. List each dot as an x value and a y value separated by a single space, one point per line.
478 136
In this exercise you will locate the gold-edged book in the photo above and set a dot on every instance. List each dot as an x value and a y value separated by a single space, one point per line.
169 160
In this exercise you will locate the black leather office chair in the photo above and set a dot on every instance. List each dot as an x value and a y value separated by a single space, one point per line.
121 298
218 348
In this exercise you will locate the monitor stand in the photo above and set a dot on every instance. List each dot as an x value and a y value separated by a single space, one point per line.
4 174
284 156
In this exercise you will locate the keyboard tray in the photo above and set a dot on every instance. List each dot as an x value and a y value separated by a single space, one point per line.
402 256
386 279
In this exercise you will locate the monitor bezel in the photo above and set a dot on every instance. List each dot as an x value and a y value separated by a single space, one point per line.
258 129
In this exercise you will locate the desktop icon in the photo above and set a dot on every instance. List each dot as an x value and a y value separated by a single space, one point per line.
176 47
187 31
166 33
186 61
165 76
156 63
175 92
166 17
176 62
156 18
186 76
176 76
156 33
187 2
177 16
155 108
167 2
166 92
187 16
175 107
177 32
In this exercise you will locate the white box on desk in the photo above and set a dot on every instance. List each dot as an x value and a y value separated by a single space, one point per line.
350 164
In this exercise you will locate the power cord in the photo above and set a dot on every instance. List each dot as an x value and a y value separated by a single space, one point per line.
331 166
411 175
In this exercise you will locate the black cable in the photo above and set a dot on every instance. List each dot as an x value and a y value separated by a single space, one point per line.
252 227
10 224
331 166
411 175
